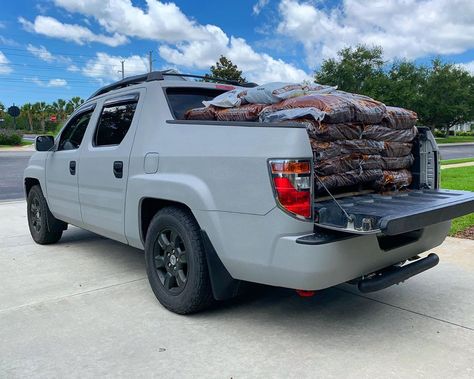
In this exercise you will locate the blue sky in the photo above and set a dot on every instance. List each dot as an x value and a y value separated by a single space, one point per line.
63 48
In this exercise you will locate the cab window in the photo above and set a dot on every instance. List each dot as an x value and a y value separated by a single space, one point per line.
114 122
73 133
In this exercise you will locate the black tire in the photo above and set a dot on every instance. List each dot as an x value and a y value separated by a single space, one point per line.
182 286
45 229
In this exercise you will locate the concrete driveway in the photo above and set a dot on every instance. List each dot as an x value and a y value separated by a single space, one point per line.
83 308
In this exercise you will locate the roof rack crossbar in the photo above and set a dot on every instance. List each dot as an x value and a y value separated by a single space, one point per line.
159 75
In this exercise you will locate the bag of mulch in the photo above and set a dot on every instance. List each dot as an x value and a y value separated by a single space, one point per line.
382 133
366 110
204 113
248 112
334 132
325 150
396 149
227 99
271 93
336 108
394 180
292 114
346 179
399 118
396 163
337 165
370 162
312 88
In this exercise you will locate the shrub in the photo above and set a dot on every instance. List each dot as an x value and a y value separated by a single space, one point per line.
465 134
10 137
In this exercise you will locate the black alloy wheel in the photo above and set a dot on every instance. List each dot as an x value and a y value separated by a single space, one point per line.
171 260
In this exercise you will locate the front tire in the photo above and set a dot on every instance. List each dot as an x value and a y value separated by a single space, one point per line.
45 229
176 262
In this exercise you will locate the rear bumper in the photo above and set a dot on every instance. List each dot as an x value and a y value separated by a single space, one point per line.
318 266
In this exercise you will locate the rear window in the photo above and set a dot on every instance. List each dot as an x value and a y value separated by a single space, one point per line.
181 99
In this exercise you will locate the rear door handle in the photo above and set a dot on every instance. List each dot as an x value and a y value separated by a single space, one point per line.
118 169
72 167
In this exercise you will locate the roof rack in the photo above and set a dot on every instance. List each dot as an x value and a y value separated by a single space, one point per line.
159 75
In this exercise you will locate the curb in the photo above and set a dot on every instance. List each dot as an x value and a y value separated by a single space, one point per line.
455 144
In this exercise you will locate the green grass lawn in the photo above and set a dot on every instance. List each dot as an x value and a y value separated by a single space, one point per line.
455 139
454 161
461 178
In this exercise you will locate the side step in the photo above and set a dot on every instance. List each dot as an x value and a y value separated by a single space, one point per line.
394 275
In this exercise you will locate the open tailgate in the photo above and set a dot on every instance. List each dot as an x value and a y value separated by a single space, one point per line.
394 213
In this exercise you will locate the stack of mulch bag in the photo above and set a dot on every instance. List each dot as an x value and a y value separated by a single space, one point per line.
356 140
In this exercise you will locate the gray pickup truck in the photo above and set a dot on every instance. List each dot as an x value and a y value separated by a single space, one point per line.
214 203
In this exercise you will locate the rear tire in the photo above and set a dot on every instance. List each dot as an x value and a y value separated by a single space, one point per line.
45 229
176 262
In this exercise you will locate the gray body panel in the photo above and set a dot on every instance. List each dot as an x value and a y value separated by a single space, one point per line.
221 173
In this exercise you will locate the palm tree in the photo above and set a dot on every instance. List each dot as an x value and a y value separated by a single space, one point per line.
59 107
27 109
72 104
40 110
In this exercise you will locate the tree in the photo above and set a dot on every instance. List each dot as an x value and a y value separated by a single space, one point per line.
59 108
404 85
358 70
225 69
2 108
448 96
40 111
27 109
73 104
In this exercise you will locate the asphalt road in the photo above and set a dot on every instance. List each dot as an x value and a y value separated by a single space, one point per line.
456 151
83 308
12 165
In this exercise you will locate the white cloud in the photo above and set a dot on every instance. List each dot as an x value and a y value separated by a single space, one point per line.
57 83
259 5
49 83
468 66
161 21
404 28
8 41
51 27
187 43
4 65
40 52
73 68
106 67
44 54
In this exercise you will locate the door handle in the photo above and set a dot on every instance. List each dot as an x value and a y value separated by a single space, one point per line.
118 169
72 167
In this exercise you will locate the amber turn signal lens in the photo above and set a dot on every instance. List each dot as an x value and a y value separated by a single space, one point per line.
291 167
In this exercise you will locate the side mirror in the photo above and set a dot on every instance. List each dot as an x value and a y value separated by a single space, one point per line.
44 143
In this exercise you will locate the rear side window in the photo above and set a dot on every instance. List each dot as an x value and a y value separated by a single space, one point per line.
72 135
114 122
181 99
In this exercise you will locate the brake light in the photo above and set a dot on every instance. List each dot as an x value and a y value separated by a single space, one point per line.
291 181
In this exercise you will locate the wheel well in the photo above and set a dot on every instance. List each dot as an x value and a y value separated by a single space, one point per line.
30 182
149 207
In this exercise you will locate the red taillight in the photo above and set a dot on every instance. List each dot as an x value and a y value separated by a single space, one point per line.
292 184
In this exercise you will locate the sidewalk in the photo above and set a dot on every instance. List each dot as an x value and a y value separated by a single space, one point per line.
464 164
18 148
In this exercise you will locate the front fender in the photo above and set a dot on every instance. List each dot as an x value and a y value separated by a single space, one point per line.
36 170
